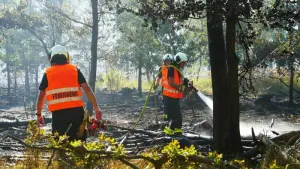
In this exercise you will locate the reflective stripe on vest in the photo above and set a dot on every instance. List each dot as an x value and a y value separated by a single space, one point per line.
63 95
68 99
174 91
66 89
63 90
171 91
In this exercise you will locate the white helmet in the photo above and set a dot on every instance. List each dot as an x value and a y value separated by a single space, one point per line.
59 50
180 57
167 57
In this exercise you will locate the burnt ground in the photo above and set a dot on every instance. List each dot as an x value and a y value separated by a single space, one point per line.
124 110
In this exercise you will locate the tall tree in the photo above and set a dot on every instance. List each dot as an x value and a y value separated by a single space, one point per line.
233 137
92 76
222 136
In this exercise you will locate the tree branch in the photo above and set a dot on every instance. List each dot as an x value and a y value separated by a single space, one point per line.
297 91
41 40
60 12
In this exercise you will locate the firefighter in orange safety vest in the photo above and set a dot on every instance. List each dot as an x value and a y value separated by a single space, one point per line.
162 78
172 94
61 87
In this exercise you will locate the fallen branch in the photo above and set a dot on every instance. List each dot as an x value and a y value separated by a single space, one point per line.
284 138
128 163
50 160
146 132
16 123
251 153
267 142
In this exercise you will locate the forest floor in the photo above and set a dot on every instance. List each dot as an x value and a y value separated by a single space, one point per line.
197 117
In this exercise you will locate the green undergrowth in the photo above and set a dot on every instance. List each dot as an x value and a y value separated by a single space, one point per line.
52 151
263 85
268 85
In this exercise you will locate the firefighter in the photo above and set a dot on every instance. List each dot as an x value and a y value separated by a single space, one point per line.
162 78
61 86
172 93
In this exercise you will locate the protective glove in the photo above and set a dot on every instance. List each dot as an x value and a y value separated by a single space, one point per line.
98 113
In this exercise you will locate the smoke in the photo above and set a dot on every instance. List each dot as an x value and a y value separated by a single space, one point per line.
263 127
260 127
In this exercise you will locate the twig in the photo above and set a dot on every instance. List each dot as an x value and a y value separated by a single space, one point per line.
150 133
66 163
50 160
253 136
128 163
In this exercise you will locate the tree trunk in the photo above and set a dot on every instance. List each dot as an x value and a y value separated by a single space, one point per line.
140 79
92 76
148 76
291 89
27 86
37 77
127 70
8 78
219 76
233 139
291 65
26 69
199 70
15 81
8 71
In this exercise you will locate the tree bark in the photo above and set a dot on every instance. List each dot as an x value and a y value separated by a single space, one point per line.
219 76
26 69
148 76
27 86
140 79
92 75
291 89
8 71
291 63
37 77
199 70
233 139
15 81
8 78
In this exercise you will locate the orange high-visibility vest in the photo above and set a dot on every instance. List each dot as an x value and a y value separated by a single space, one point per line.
63 90
164 76
171 91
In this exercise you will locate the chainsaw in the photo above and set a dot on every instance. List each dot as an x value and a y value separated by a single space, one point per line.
96 125
90 125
